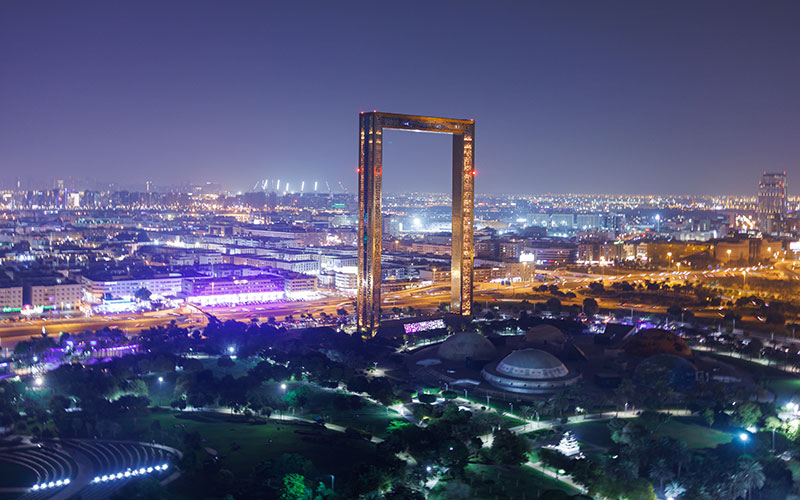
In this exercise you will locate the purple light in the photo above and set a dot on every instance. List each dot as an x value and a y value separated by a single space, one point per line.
424 326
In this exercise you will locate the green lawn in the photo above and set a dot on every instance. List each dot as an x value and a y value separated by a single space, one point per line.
490 482
596 433
370 417
244 444
502 406
694 434
785 389
687 429
785 385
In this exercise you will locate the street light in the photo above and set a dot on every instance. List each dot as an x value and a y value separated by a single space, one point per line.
729 256
160 380
744 437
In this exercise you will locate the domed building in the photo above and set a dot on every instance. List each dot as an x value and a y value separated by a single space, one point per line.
467 345
530 371
545 336
652 341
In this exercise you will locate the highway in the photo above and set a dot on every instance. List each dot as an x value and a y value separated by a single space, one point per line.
426 298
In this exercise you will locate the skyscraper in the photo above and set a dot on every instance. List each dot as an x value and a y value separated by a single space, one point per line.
772 202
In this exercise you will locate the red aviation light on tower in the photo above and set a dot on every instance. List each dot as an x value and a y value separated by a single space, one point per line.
474 173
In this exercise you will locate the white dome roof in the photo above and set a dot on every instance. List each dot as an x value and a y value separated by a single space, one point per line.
531 364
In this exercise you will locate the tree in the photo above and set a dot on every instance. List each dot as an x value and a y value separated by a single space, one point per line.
674 311
708 416
674 490
297 398
553 305
749 474
590 307
294 487
661 471
143 294
508 448
747 414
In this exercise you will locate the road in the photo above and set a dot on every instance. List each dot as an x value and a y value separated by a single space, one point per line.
425 298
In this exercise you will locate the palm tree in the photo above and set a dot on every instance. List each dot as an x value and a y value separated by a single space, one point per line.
680 453
674 490
661 471
750 474
538 408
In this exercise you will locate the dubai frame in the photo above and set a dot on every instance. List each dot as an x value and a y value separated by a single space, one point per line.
370 169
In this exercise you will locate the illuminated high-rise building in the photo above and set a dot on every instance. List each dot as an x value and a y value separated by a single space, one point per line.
772 202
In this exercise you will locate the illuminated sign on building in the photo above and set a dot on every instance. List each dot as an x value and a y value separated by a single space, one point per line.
424 326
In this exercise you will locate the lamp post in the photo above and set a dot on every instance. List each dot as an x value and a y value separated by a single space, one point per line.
729 256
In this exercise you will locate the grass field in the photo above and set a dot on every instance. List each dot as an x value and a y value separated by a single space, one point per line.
785 385
371 417
785 389
242 444
490 482
694 434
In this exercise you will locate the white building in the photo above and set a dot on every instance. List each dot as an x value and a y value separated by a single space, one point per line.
125 287
66 295
10 298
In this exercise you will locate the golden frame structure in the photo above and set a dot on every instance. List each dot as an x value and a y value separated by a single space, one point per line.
370 234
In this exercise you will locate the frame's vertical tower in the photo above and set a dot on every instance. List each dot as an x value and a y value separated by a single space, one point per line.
370 167
462 255
370 159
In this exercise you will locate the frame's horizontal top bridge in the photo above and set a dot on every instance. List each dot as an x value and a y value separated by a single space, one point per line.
424 123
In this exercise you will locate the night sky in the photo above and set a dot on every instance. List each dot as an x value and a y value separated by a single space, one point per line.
584 97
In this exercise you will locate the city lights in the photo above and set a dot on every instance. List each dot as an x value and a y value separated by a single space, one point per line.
612 305
128 473
51 484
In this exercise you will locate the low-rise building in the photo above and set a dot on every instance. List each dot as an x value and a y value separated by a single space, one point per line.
97 287
10 297
56 292
233 290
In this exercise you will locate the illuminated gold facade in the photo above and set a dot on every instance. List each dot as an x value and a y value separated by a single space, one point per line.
370 170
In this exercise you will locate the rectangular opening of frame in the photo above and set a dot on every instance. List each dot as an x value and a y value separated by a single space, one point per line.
416 236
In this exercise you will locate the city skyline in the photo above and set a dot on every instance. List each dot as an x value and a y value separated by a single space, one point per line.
590 100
